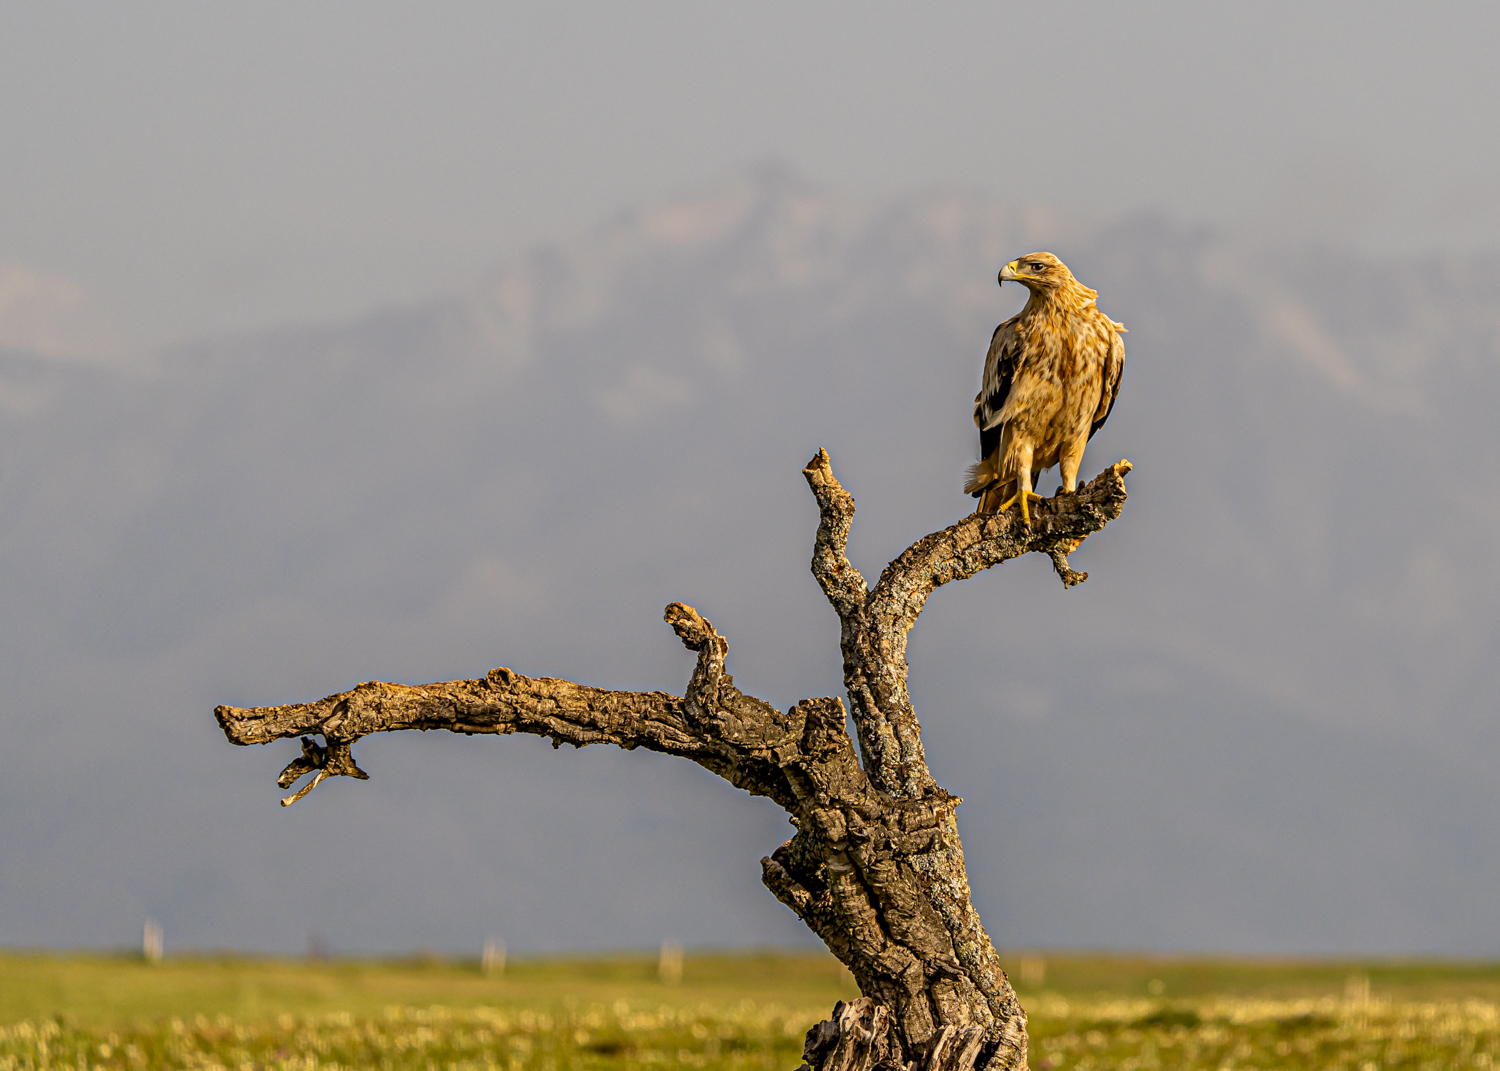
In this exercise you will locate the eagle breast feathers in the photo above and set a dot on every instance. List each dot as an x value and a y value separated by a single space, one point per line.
1050 377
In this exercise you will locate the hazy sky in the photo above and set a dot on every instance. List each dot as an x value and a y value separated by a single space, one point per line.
200 167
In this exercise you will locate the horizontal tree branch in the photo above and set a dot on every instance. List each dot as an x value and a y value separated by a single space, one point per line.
715 725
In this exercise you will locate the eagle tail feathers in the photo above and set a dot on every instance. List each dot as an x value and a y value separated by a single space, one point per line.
985 484
979 477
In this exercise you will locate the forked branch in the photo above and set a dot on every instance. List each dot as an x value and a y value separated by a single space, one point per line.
875 623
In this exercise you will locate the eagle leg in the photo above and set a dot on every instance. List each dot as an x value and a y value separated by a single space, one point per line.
1024 497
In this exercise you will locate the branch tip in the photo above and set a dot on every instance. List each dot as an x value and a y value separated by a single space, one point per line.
1069 577
819 463
305 789
691 627
825 485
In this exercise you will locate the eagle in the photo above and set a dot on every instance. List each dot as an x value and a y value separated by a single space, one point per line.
1050 382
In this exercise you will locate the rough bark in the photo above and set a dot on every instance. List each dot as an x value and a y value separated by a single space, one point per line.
875 868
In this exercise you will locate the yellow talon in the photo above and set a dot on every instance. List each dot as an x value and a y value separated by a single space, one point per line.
1025 510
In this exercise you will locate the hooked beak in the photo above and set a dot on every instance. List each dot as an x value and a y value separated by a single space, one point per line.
1008 272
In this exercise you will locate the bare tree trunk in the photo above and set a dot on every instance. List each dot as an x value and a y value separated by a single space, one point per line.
875 868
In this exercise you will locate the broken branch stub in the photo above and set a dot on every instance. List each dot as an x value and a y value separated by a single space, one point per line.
875 868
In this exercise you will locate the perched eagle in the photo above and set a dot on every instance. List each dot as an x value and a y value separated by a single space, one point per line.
1050 381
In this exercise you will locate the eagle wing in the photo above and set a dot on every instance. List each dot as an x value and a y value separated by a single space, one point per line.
1114 366
1000 369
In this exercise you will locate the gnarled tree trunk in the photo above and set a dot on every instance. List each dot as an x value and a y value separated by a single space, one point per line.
875 868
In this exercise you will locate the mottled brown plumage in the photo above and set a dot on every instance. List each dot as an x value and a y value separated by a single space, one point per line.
1050 381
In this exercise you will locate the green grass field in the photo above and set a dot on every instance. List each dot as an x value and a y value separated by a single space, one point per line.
729 1011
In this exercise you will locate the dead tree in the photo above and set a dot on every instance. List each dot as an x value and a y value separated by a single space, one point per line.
875 868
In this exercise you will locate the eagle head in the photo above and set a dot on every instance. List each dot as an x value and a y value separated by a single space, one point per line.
1037 272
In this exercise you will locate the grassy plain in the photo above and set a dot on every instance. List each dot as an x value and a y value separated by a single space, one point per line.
729 1011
